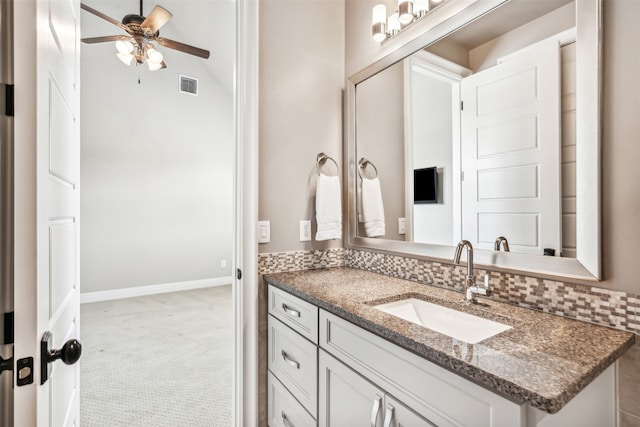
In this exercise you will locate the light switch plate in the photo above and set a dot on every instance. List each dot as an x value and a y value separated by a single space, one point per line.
402 226
264 231
305 230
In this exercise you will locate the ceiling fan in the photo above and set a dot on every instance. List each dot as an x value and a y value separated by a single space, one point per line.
142 33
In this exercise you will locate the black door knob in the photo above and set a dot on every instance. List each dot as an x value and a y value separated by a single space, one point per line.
69 354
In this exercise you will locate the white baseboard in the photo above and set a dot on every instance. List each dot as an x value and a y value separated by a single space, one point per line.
139 291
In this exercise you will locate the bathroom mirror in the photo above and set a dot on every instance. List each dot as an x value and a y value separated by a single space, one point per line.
415 112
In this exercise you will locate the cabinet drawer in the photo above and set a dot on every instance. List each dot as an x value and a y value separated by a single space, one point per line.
294 312
284 410
294 361
431 391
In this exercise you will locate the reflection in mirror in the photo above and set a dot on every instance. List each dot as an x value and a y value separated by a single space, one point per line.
474 137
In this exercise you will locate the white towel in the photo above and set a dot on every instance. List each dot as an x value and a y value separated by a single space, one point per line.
372 208
328 208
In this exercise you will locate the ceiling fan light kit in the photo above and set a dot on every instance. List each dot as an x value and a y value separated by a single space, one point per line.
142 33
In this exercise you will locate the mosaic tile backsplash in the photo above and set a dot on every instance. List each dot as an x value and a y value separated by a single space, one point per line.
616 309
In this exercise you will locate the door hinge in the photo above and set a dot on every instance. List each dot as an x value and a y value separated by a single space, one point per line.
461 105
238 273
9 103
8 328
462 176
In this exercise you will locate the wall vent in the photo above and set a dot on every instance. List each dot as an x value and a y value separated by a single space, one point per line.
188 85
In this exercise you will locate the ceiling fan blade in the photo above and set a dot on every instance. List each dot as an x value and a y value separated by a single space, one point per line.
157 18
103 16
103 39
191 50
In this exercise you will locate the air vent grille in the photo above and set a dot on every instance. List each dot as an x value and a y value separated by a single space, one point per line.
188 85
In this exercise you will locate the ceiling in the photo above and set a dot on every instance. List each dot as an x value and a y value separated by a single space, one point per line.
208 24
505 18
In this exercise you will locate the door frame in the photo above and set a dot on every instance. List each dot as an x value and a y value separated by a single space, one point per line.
245 294
245 297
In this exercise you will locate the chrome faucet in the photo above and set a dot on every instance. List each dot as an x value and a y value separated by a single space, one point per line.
501 240
470 288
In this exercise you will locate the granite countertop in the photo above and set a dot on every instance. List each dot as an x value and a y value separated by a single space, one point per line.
543 360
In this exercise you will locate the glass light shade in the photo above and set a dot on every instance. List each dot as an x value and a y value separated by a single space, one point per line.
405 11
393 24
125 58
154 56
436 1
379 14
124 47
420 7
379 21
154 66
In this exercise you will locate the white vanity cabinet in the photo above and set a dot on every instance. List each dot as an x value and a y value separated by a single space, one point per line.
440 397
346 398
351 377
293 361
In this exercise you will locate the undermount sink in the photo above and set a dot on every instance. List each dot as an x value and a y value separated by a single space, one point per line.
456 324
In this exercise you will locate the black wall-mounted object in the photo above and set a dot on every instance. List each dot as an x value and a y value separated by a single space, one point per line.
425 185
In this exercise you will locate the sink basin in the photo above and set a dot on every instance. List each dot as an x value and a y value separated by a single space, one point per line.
456 324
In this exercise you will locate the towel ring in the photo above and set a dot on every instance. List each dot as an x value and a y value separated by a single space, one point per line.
362 165
321 159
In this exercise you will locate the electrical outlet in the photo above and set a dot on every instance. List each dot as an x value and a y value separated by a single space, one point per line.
402 225
305 230
264 231
223 263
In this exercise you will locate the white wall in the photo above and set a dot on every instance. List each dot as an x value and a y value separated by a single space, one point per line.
157 173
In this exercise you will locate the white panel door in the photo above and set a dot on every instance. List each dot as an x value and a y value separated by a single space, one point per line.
511 152
47 204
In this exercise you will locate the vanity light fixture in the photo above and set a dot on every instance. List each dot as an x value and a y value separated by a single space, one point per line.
379 23
405 11
409 11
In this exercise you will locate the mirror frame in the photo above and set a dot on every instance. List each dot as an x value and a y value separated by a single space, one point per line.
586 267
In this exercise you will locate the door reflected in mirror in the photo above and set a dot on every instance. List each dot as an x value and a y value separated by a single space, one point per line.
474 137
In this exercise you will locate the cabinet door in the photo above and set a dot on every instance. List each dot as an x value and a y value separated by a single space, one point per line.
345 398
398 415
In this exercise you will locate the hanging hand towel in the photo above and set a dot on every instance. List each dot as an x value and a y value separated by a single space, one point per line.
328 208
372 208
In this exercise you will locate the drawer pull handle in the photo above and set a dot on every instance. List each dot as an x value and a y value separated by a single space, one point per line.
375 411
289 360
290 311
388 416
285 420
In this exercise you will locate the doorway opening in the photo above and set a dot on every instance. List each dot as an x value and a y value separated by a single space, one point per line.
157 231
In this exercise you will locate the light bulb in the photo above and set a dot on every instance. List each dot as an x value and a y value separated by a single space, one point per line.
125 47
125 58
154 56
378 22
405 11
154 66
393 24
420 7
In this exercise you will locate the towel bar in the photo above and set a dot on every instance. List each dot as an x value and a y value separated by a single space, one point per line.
362 165
321 159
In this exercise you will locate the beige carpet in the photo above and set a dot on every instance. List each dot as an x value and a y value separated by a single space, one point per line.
159 360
